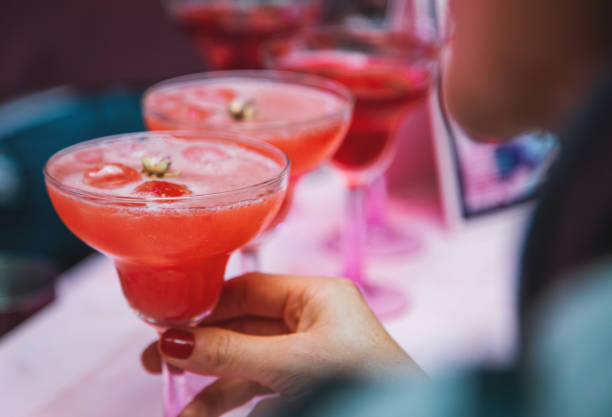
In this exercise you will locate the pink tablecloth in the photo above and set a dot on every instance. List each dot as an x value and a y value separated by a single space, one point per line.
80 357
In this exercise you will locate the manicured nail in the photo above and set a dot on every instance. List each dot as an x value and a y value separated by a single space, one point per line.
177 343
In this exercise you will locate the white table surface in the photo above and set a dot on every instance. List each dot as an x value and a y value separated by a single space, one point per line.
80 356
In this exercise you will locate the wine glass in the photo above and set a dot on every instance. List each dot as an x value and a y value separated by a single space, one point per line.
229 33
415 17
418 18
389 73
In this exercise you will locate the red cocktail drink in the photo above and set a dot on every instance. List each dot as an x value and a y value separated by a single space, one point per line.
170 235
388 73
385 81
229 34
168 209
306 117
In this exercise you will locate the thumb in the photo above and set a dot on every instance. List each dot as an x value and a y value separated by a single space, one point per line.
222 352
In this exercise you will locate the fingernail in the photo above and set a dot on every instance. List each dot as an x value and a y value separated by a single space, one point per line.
177 343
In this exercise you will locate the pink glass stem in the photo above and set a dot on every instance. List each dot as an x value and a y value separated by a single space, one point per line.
175 390
377 202
384 301
354 234
250 260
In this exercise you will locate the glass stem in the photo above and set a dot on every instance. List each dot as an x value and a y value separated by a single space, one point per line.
377 202
354 235
175 390
250 259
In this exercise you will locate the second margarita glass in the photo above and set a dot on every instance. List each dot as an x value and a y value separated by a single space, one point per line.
305 116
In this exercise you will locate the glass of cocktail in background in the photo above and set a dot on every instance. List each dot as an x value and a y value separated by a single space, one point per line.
305 116
417 18
389 73
229 33
168 209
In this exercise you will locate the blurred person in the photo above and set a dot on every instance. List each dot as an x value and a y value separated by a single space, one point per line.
515 65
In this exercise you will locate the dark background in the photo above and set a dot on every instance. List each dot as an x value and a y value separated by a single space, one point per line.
91 43
102 43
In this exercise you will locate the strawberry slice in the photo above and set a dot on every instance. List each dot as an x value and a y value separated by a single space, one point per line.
162 189
110 175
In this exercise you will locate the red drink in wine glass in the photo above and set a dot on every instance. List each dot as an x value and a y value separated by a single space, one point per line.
388 73
384 88
229 34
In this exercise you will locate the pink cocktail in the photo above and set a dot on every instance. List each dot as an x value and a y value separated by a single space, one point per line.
388 73
384 88
306 117
168 212
230 33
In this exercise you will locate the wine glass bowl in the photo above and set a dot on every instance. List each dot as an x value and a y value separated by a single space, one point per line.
229 33
389 74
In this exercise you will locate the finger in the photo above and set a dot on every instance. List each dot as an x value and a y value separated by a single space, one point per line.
151 359
256 294
221 352
221 396
254 326
265 407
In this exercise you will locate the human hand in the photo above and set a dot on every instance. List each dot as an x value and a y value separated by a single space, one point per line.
276 333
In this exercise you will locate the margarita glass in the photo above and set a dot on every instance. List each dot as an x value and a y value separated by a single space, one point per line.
168 212
389 73
305 116
229 33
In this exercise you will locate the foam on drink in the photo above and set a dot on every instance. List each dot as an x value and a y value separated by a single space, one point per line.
114 168
207 101
170 253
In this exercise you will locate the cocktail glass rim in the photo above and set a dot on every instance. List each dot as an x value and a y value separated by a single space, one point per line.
292 77
357 30
170 4
203 136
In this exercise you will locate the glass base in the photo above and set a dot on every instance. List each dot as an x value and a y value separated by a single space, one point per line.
386 301
380 241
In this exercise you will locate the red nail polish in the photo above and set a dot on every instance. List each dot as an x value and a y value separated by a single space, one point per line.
177 343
